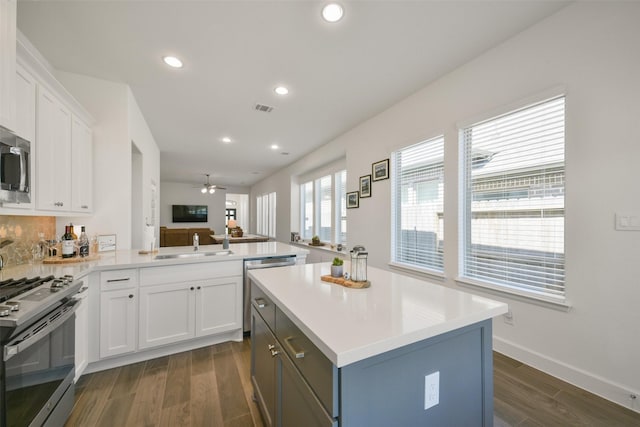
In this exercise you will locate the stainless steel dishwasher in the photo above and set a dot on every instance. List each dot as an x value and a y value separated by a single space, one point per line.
253 264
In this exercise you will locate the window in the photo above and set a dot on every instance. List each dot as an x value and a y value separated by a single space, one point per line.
230 213
513 201
323 208
418 203
266 210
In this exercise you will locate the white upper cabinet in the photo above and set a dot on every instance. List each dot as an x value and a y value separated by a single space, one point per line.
26 125
25 105
8 63
82 166
53 160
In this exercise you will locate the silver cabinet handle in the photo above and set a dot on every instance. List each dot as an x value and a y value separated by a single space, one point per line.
298 353
260 302
272 349
124 279
84 207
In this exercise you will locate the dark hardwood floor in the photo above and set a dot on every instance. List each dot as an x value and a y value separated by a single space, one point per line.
211 387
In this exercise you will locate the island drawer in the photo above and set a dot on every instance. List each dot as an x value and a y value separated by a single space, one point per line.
264 306
118 279
317 370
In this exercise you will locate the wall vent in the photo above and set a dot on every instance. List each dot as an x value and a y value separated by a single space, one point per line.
263 108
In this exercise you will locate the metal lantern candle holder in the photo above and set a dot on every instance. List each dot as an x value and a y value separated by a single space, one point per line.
359 264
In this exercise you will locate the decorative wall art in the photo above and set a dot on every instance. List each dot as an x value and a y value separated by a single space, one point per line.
380 170
353 200
365 186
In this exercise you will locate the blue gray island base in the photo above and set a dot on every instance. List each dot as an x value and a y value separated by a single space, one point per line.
389 389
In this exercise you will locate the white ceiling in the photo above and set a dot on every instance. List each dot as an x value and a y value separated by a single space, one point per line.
236 52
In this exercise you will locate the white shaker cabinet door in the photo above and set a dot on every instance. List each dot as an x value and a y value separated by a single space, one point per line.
118 315
53 175
7 63
82 166
219 305
26 126
166 314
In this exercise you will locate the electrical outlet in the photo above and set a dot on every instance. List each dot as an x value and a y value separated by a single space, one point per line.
431 390
508 318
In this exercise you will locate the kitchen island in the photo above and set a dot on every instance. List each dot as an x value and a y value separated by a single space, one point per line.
401 352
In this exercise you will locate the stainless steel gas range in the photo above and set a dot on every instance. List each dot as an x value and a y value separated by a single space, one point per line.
37 349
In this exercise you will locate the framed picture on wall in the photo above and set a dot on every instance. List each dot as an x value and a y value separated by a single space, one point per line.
365 186
353 200
380 170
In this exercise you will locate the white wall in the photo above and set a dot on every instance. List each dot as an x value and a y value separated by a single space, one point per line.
140 135
177 193
591 50
118 121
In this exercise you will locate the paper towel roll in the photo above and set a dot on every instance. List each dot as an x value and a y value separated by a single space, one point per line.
149 238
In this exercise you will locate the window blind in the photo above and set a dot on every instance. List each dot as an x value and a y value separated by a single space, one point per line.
341 207
325 204
513 200
418 204
306 199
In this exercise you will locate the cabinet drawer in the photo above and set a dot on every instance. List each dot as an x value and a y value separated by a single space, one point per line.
118 279
264 306
299 405
316 369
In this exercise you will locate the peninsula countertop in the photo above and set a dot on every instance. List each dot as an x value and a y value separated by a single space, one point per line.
132 259
349 325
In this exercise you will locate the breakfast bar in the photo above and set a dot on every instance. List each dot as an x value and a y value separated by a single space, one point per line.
401 352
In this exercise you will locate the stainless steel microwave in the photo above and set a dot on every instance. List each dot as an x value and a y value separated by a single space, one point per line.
15 168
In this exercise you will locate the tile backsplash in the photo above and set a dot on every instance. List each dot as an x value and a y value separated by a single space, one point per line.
24 232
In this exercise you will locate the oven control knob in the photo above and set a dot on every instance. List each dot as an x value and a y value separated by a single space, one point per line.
14 305
56 284
4 310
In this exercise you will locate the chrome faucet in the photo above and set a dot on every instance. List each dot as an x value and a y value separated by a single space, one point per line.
196 241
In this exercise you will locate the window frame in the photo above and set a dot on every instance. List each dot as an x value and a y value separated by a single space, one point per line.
337 200
399 198
266 214
466 212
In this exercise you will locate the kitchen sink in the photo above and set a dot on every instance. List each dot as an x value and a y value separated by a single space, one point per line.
194 254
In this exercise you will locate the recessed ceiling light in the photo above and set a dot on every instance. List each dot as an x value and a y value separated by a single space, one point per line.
172 61
274 146
226 140
281 90
332 12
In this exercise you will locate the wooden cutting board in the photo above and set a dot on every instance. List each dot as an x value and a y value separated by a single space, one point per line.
76 259
346 283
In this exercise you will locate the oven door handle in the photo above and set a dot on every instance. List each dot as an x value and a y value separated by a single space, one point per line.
40 329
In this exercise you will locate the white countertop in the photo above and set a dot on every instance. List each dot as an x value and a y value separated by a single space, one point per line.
349 325
132 259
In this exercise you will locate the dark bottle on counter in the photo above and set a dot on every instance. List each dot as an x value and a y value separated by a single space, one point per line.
83 243
67 243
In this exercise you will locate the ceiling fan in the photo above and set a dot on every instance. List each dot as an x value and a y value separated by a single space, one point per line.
207 187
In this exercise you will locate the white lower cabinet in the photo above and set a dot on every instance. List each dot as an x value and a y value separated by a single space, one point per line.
149 307
118 320
218 307
179 311
166 314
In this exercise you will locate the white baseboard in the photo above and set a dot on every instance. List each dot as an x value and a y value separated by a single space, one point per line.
599 386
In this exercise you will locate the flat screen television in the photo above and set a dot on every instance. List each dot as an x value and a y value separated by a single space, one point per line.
189 213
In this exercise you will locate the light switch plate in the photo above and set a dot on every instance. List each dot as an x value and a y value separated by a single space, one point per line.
627 221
